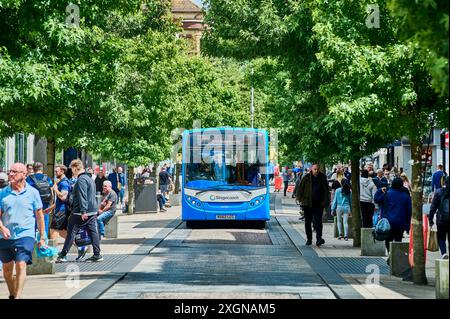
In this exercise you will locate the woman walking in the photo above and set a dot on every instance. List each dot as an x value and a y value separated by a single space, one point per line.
341 207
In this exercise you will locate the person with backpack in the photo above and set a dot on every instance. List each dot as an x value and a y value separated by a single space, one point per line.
84 213
341 206
395 205
439 207
44 185
61 188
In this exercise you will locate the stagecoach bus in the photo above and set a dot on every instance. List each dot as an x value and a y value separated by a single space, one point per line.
225 175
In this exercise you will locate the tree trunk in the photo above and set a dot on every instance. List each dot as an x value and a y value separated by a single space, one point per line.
356 209
130 182
177 178
50 169
419 275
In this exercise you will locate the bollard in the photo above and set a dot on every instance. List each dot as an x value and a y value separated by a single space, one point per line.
368 246
112 227
398 259
40 266
442 279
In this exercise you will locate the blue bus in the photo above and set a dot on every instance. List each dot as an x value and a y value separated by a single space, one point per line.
225 175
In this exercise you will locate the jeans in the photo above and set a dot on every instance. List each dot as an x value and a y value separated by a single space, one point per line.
342 212
286 185
161 201
121 195
102 220
75 223
313 215
442 234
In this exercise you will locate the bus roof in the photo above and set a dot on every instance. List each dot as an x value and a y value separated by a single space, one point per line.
242 129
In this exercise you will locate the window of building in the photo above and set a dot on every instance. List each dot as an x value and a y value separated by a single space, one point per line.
2 155
21 148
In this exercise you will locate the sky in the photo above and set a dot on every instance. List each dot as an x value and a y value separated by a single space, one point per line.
198 2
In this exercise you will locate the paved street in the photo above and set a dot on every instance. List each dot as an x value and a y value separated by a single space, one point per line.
156 256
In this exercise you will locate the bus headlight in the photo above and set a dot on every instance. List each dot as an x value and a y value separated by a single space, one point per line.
194 202
257 201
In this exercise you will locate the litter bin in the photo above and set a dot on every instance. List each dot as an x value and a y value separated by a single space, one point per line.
145 197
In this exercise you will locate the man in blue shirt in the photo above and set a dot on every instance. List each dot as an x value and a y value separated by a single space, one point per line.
44 185
436 179
20 207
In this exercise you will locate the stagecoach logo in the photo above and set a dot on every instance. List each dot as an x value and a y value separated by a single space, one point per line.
214 197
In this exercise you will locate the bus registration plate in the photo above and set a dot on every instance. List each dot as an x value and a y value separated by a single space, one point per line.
225 217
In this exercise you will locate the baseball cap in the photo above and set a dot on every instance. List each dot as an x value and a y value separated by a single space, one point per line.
3 177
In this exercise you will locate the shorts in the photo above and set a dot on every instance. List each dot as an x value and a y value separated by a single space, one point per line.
164 188
60 224
17 249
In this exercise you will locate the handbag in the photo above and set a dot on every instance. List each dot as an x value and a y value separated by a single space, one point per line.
432 241
119 185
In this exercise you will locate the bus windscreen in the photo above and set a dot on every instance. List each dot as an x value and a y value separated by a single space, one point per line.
222 158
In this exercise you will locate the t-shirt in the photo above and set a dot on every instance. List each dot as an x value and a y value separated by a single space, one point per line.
63 186
112 197
164 178
39 177
336 184
18 211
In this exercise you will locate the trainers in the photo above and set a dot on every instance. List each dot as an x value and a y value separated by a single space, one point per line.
308 242
340 237
95 259
81 252
61 258
444 256
346 238
163 210
320 242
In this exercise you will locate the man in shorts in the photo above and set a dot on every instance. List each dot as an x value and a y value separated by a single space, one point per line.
20 206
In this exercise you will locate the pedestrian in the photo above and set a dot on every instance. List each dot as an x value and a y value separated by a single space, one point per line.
387 176
30 170
3 180
395 204
107 208
347 173
20 211
99 180
367 193
337 182
117 180
44 185
313 194
161 201
439 207
380 181
437 178
84 212
164 181
341 207
286 178
406 182
60 216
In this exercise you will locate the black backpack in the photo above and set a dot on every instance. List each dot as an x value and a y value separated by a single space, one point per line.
45 191
443 207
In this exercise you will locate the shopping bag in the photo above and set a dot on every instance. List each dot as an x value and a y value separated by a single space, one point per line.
82 238
433 241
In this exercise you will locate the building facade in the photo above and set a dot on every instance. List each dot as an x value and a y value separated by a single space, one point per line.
191 18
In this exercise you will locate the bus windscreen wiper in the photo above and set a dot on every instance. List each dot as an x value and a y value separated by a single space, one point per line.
216 186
